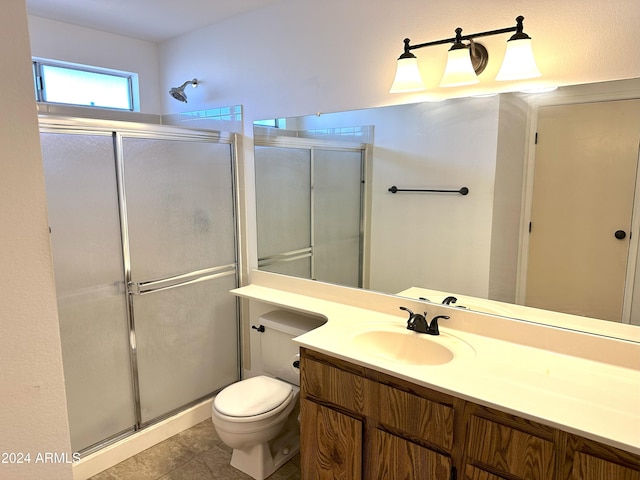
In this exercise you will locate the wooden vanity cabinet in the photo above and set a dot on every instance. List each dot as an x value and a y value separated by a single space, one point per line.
357 423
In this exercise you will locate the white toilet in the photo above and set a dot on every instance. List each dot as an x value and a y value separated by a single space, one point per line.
258 417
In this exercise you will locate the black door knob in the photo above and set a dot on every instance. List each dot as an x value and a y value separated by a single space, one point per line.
620 234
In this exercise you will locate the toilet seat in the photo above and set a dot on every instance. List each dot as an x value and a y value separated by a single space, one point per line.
252 397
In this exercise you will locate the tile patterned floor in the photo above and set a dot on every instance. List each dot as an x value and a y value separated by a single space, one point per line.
195 454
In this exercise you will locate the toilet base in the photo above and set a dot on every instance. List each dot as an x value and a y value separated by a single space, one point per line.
262 460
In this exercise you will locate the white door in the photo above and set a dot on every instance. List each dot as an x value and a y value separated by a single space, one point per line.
584 181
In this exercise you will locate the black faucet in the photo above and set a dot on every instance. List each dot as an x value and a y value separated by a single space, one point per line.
418 322
449 300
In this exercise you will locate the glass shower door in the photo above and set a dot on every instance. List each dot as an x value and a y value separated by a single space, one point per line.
86 245
142 222
337 216
283 204
181 241
309 208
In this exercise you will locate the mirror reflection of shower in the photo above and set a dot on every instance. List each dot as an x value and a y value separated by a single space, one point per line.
178 92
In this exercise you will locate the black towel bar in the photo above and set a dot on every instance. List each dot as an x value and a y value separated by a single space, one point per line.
462 191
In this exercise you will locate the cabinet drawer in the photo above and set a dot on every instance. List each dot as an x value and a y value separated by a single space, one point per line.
412 415
587 467
331 385
510 451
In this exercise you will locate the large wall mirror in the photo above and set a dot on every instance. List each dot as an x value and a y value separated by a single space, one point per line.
550 221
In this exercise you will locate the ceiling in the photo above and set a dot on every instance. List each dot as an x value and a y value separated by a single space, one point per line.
152 20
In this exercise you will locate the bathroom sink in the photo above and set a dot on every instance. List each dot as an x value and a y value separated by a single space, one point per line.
404 346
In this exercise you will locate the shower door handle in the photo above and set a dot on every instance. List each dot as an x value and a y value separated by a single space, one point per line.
143 288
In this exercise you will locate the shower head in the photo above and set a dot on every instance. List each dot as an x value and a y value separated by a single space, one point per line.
178 92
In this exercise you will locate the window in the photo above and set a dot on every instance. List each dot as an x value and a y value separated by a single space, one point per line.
274 122
70 84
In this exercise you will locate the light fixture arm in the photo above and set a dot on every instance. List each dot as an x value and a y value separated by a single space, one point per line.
459 38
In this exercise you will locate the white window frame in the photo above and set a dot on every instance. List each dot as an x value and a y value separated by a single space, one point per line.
39 86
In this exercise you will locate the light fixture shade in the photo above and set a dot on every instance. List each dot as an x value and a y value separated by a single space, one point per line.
408 78
519 62
459 70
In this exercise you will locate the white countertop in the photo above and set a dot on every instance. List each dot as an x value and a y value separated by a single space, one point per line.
533 378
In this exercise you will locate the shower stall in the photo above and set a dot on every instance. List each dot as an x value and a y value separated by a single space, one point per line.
143 234
310 208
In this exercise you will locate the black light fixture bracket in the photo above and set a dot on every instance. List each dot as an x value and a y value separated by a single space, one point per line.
479 54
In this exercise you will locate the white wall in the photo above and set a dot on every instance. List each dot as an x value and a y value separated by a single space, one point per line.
69 43
33 413
434 239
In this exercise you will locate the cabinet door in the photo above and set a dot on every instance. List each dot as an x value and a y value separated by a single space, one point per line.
393 458
587 467
330 444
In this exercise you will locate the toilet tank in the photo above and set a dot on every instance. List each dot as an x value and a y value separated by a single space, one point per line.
278 350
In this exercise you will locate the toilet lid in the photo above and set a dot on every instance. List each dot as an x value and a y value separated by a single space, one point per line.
252 396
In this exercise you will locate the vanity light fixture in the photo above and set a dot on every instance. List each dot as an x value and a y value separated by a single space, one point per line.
466 61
